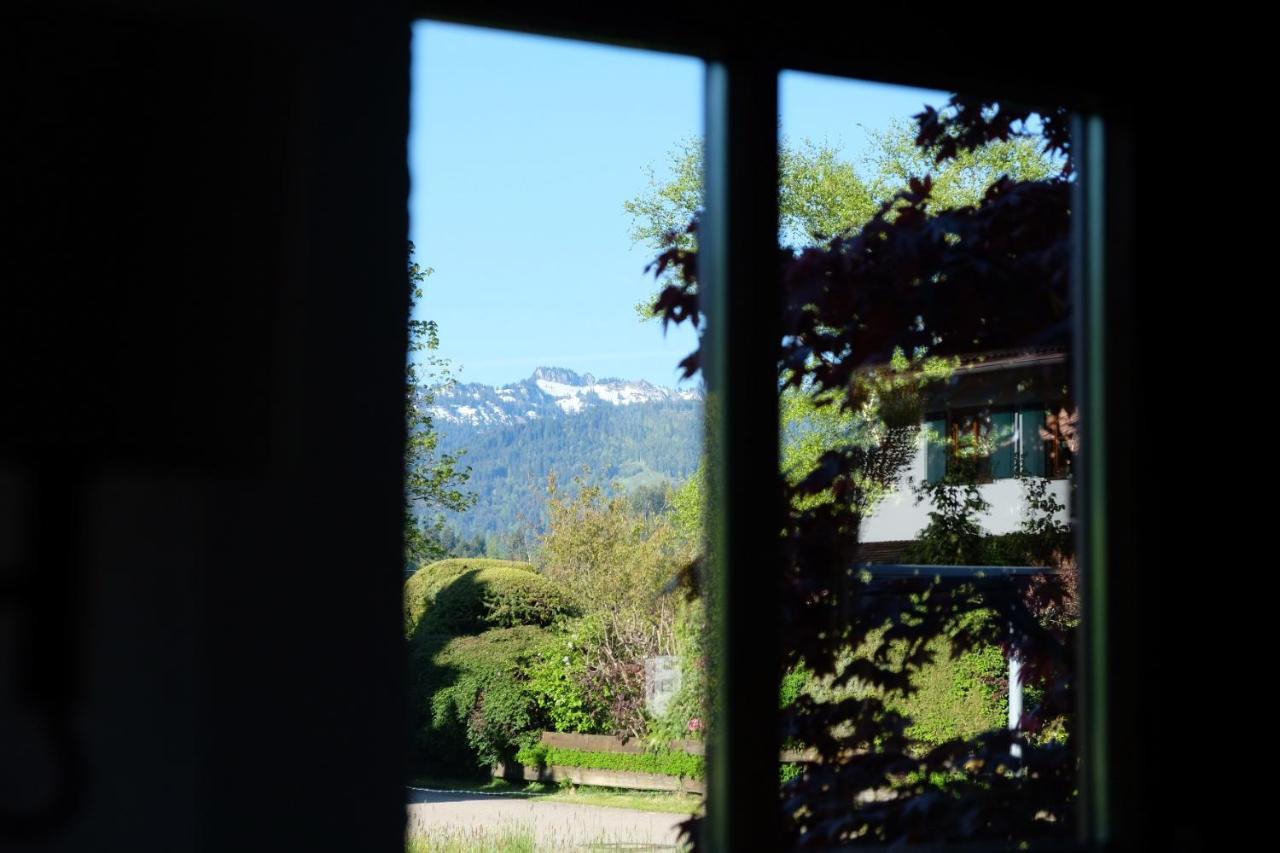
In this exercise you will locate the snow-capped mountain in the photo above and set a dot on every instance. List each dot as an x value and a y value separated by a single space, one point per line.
549 393
512 438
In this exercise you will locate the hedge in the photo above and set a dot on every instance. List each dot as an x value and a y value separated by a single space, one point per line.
475 627
475 707
953 697
459 597
666 763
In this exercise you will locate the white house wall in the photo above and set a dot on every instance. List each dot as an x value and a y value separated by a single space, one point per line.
899 517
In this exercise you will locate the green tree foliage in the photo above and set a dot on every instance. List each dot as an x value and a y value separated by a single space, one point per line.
618 561
811 424
977 278
434 480
822 196
616 558
558 679
688 504
957 694
953 536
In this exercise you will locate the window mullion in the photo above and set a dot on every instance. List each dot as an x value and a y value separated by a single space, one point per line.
738 264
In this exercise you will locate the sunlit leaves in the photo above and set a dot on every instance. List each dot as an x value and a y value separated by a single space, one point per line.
434 481
956 245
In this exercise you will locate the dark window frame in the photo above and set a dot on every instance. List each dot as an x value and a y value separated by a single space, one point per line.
1057 458
742 73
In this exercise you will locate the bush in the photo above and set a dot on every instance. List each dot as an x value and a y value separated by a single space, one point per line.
952 697
664 762
478 707
688 713
956 697
794 681
558 679
476 627
464 596
616 559
789 772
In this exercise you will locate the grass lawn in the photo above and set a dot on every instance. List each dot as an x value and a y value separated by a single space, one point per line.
583 795
507 840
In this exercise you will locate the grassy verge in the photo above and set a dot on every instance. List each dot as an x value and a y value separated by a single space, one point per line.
473 840
584 795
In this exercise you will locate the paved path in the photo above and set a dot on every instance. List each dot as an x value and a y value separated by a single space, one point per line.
555 826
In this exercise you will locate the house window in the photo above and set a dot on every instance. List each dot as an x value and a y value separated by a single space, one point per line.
996 445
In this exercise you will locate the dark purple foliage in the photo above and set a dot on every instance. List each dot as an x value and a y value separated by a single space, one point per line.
967 281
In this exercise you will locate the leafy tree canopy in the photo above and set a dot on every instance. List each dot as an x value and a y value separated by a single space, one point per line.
822 196
936 281
434 480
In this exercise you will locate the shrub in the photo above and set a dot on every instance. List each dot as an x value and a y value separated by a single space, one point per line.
956 697
664 762
789 772
960 696
794 681
613 657
463 596
688 714
558 679
477 705
616 559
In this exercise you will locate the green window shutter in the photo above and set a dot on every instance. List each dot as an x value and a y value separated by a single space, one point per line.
1004 438
935 459
1032 444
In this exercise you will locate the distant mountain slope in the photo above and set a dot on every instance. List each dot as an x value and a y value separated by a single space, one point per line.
633 433
549 393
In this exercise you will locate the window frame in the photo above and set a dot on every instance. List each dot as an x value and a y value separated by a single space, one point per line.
1057 459
742 76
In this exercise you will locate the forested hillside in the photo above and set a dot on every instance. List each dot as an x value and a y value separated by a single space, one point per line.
642 442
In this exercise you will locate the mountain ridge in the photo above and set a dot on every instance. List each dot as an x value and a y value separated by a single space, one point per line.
512 437
547 392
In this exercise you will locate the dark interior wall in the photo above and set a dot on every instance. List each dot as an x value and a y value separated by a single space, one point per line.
203 312
201 341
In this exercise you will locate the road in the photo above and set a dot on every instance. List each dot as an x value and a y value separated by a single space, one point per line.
555 826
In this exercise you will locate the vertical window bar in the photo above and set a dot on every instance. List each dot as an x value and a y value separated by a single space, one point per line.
1090 318
1112 591
738 252
1033 455
935 461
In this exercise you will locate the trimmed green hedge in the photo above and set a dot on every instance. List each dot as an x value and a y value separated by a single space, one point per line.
474 628
457 597
476 706
666 763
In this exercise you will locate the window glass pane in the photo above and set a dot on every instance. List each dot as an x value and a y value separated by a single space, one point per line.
1002 438
1033 441
931 603
552 617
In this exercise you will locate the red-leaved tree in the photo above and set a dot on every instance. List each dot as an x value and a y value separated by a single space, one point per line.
993 276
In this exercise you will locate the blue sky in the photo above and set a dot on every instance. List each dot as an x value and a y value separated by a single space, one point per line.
522 152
